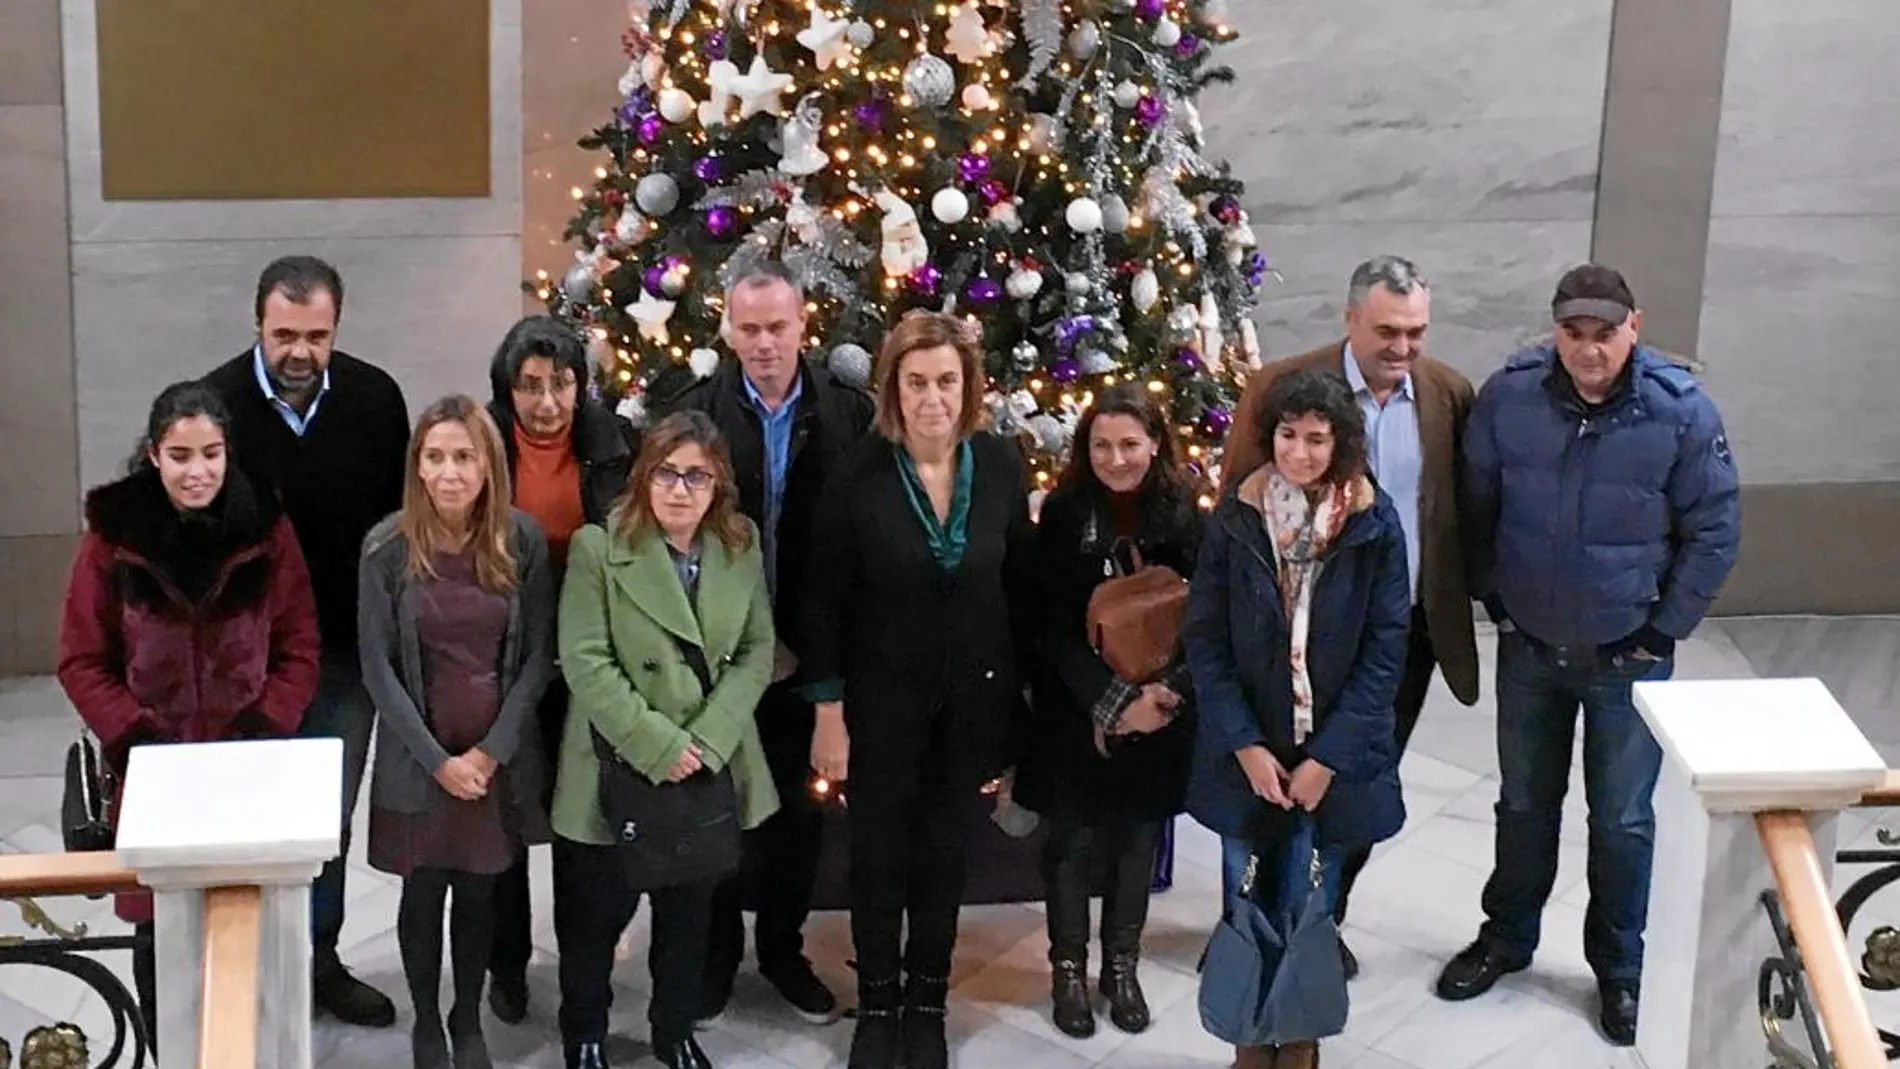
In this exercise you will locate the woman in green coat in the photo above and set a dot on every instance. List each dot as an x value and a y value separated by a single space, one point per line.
666 642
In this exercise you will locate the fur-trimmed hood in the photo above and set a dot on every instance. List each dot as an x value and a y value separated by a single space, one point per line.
218 555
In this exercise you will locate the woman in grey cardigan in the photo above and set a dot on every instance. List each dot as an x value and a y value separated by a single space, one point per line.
457 633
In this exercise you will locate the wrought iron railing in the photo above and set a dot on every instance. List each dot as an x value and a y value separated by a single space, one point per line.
73 951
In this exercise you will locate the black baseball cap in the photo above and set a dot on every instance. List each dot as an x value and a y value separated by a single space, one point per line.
1595 292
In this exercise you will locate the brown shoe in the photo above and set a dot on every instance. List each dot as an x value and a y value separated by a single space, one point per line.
1255 1057
1303 1055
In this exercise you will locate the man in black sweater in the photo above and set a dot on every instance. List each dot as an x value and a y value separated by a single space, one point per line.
330 433
787 422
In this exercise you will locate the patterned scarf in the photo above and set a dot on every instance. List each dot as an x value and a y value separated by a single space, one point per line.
1301 531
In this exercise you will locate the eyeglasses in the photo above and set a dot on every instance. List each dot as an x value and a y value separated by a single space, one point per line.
696 480
543 388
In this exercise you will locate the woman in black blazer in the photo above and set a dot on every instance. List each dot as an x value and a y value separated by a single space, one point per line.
914 618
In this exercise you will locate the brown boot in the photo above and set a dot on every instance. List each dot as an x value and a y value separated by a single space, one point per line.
1302 1055
1255 1057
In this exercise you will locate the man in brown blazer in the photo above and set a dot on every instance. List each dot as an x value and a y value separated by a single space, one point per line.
1415 409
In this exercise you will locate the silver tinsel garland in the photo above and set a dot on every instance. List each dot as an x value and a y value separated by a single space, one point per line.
1042 26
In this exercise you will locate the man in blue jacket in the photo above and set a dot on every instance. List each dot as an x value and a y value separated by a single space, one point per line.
1603 507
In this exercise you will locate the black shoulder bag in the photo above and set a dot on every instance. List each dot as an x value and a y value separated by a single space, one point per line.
85 811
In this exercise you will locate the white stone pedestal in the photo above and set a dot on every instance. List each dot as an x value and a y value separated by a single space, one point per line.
233 814
1732 748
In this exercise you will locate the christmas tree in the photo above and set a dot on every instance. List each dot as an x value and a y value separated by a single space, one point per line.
1036 165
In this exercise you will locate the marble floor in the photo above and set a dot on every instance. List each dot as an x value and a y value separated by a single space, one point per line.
1416 904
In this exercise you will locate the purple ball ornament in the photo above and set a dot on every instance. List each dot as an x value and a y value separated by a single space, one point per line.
1189 361
722 222
973 168
983 291
1065 370
651 127
713 45
709 169
654 278
1187 46
1215 421
1150 10
630 113
871 114
1225 209
1149 110
926 279
993 192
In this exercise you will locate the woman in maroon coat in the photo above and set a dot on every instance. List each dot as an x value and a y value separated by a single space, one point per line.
189 615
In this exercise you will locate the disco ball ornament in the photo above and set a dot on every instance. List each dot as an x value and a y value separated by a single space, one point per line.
657 194
850 363
578 283
930 81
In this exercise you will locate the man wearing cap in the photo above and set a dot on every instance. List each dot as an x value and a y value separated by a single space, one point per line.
1603 507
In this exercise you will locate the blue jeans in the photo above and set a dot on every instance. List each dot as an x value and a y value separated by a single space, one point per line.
1540 689
341 710
1234 853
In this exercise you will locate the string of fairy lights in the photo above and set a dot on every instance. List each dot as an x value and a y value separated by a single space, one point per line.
1008 161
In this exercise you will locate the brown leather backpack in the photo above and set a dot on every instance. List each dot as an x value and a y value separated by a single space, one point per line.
1134 620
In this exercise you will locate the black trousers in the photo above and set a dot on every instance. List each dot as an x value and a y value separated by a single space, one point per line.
470 901
145 979
514 914
592 906
907 864
781 862
1414 684
1071 856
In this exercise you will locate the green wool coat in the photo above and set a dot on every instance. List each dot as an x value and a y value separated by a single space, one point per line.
623 615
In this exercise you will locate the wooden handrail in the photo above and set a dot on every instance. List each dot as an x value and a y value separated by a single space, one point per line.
1831 975
227 1017
26 875
1887 794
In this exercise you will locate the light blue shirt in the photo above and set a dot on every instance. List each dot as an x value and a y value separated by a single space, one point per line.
776 429
299 422
1394 452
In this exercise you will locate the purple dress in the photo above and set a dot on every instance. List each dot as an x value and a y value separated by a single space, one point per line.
462 628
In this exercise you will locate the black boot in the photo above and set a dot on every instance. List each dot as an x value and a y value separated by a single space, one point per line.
1124 916
1121 985
1069 990
1065 880
875 1042
586 1056
925 1044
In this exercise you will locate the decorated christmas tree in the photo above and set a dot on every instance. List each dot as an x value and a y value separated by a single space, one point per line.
1036 165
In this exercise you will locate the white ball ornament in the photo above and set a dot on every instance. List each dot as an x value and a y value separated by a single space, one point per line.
1084 215
1167 33
1023 284
676 105
703 362
976 97
1127 95
950 205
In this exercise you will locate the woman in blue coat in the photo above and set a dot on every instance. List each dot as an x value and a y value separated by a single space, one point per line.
1295 636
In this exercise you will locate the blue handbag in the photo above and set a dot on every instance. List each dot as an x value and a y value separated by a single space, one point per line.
1273 973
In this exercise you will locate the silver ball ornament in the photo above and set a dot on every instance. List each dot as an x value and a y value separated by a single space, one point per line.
1084 40
673 282
861 34
850 363
1077 284
657 194
1047 430
578 283
930 81
1114 214
1127 95
1025 356
1097 362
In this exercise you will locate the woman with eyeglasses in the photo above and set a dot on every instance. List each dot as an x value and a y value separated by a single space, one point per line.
666 641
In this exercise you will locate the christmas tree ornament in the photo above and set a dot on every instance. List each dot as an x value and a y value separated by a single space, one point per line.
926 278
1077 284
1097 362
905 249
651 314
1214 13
657 194
967 38
1114 214
703 362
1083 215
676 105
673 278
710 169
631 80
850 363
1065 370
1167 33
826 38
713 45
982 291
930 81
722 222
1042 133
1182 323
1189 361
651 127
632 228
1213 342
950 205
1216 421
1150 110
1046 429
653 70
1150 10
1187 46
1084 40
1023 283
972 167
1145 291
653 279
1126 94
1025 357
976 97
578 283
1004 216
871 113
759 90
993 191
798 137
861 34
1225 210
720 78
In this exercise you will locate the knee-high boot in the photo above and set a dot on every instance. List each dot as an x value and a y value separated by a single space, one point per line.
1124 916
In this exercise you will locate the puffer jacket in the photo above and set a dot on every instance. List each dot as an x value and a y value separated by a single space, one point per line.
1592 523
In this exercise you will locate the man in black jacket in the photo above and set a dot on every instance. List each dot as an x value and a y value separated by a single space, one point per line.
568 457
786 422
330 433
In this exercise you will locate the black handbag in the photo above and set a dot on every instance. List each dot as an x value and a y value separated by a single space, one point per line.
86 809
669 834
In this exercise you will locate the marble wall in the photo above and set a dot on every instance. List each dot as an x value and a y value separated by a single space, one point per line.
1461 134
163 290
1798 319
